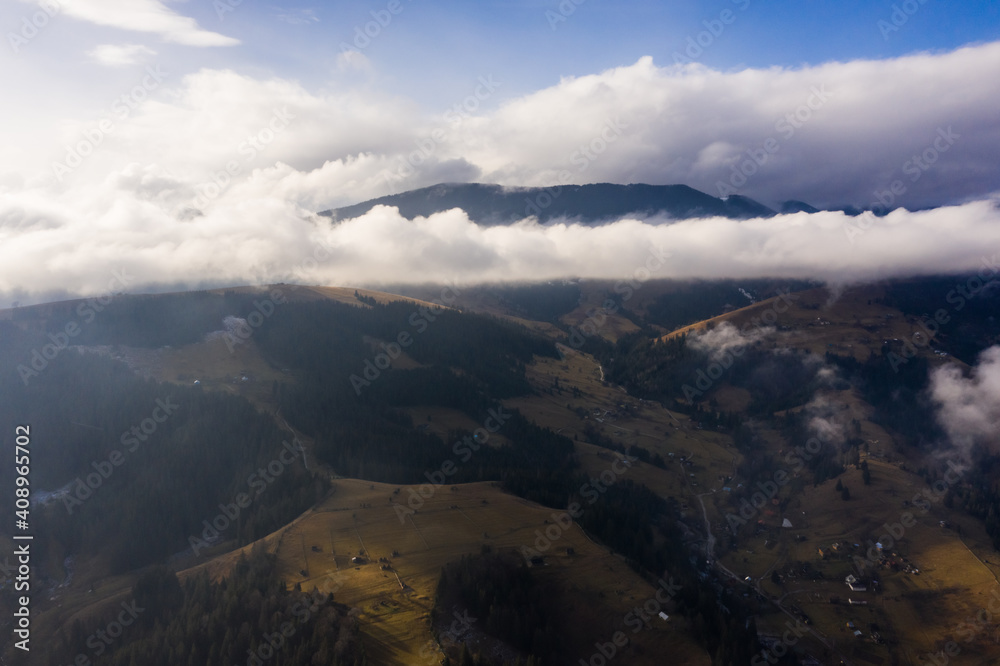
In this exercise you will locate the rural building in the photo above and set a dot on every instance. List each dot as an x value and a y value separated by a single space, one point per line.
855 584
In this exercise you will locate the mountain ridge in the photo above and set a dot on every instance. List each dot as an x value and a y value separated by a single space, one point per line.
494 205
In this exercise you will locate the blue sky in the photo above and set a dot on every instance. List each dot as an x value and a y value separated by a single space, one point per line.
533 44
521 42
194 140
431 51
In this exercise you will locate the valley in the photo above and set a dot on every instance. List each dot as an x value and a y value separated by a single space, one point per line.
755 520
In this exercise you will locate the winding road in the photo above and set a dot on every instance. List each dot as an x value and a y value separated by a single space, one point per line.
710 557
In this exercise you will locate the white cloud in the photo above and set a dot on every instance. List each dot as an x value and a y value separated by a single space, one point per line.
694 125
119 55
969 407
353 60
135 219
132 199
678 124
149 16
300 17
726 339
202 122
826 419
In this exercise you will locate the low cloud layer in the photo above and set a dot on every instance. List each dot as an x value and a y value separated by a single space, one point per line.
214 177
726 339
969 407
258 240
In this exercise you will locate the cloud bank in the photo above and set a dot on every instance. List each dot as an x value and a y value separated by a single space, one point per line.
213 177
260 240
833 134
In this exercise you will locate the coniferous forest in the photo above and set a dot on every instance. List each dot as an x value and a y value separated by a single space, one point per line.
150 509
136 471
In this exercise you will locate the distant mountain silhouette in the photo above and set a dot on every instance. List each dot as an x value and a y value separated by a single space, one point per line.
493 205
798 207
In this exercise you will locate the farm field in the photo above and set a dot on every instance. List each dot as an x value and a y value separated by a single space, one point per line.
395 592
